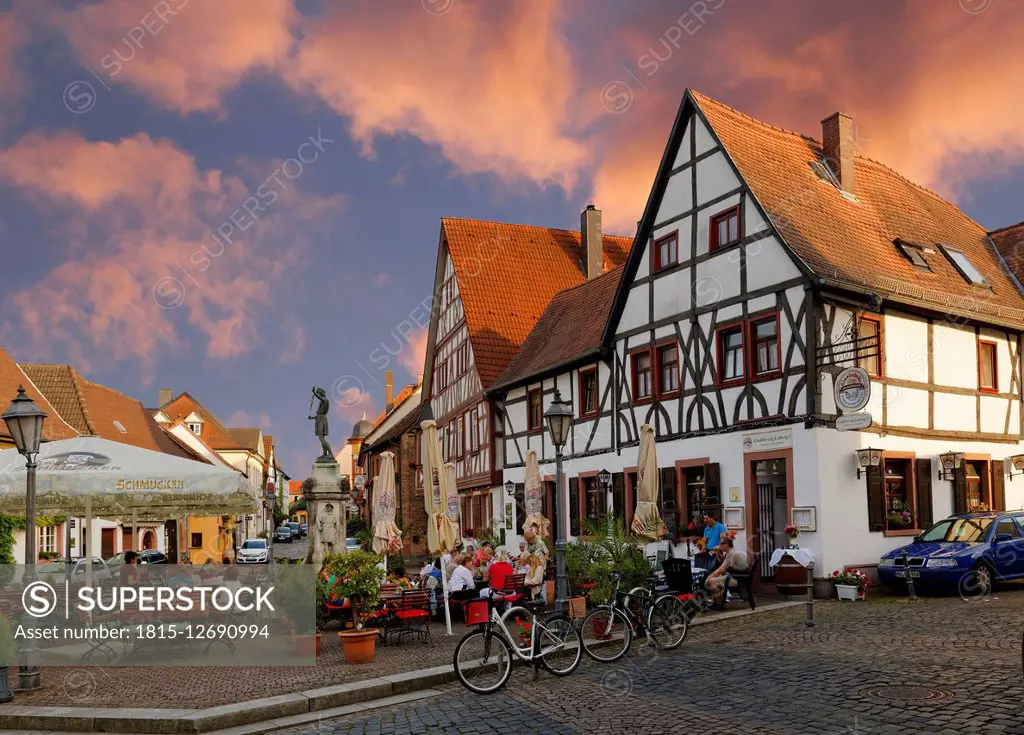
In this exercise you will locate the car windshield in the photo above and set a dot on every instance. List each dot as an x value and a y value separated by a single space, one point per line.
255 544
116 560
970 530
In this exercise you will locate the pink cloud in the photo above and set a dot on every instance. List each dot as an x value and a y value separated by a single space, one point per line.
413 356
351 405
243 419
381 279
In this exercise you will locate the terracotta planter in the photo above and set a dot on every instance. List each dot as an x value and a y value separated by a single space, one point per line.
359 645
308 644
790 577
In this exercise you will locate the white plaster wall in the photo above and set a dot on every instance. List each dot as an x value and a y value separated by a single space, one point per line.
955 412
672 294
956 356
715 177
678 195
906 406
993 415
906 356
704 140
718 279
768 263
637 309
683 154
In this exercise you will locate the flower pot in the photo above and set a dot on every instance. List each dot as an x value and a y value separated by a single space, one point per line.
358 645
600 626
848 592
308 644
577 607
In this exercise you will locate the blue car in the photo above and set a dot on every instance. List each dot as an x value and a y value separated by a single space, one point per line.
967 553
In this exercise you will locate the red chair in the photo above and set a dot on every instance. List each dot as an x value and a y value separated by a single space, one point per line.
411 612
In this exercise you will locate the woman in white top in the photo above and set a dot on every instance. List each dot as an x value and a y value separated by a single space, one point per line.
534 581
462 577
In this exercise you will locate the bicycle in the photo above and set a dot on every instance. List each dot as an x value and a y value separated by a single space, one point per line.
483 658
607 631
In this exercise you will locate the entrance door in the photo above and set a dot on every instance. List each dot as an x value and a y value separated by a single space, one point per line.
107 542
769 510
765 528
171 540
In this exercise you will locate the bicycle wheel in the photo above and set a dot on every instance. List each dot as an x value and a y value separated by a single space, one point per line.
561 648
606 634
483 661
667 622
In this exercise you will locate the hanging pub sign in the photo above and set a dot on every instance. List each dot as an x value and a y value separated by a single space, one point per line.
852 389
1016 465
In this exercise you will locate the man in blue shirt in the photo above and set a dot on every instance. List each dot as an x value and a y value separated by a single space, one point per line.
713 530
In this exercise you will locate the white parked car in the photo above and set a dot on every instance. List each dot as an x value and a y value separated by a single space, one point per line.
253 551
58 568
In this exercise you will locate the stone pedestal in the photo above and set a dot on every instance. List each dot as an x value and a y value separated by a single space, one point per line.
327 497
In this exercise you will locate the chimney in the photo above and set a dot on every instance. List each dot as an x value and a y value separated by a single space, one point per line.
837 144
389 391
591 247
165 396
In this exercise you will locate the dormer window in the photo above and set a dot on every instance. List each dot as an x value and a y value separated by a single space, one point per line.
196 428
964 265
915 252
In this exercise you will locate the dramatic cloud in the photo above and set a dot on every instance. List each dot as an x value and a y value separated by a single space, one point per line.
182 55
243 419
414 353
148 250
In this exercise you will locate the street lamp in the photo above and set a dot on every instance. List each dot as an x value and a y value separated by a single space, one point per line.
24 421
269 501
605 478
559 420
510 489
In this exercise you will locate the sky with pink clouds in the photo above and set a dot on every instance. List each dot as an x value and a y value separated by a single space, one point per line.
241 198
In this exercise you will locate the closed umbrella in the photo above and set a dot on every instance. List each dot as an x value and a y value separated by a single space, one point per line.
533 496
646 521
449 529
434 498
385 532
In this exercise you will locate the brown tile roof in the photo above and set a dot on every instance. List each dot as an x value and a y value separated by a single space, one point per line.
570 329
399 400
1009 241
851 243
11 376
101 411
507 274
249 438
215 434
294 487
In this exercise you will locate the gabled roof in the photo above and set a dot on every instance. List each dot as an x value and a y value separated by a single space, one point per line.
850 243
506 276
836 242
1009 241
215 434
569 331
398 401
11 376
249 438
403 417
101 411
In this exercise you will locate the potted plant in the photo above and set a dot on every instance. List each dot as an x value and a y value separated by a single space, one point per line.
793 533
356 577
850 584
900 516
6 658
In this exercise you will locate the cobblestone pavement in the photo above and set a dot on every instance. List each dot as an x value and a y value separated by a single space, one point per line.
293 550
884 666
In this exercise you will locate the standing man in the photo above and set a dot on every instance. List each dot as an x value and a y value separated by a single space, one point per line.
713 531
535 545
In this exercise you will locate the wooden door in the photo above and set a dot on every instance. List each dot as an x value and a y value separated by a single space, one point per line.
107 542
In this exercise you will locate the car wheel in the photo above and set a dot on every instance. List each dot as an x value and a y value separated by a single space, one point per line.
977 583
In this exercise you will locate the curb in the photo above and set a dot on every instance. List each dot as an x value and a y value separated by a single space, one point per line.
260 715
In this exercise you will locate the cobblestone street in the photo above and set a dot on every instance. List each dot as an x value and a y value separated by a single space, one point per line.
294 550
884 666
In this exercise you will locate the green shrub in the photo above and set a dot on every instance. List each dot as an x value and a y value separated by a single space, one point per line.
356 577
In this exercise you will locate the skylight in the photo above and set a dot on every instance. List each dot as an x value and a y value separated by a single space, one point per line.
914 252
120 427
963 264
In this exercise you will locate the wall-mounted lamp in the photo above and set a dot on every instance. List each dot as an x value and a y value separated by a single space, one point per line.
949 463
510 489
867 458
1016 463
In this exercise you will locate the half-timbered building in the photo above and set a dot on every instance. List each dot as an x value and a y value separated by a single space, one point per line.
493 280
766 262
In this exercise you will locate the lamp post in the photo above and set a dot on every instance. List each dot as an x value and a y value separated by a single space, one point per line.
605 478
24 421
559 420
269 501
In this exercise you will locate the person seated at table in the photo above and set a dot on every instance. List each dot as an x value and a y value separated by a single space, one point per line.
734 561
498 572
535 545
448 558
522 550
482 554
534 582
462 586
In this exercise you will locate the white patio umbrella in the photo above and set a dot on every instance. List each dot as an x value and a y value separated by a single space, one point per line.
93 477
449 530
533 496
646 521
435 500
385 531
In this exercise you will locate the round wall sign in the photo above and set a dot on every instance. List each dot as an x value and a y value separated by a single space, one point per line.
852 389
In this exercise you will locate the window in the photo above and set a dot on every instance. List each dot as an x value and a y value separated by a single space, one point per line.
197 540
963 264
764 337
666 251
595 499
460 436
869 345
196 428
725 228
120 427
988 379
668 369
642 376
976 495
588 392
914 252
48 538
534 411
474 433
1007 527
730 354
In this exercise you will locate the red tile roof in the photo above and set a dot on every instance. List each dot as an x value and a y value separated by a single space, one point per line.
99 410
850 243
399 400
1009 242
570 330
507 274
214 434
11 376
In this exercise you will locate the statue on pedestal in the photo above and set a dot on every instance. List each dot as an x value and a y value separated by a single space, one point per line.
320 427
